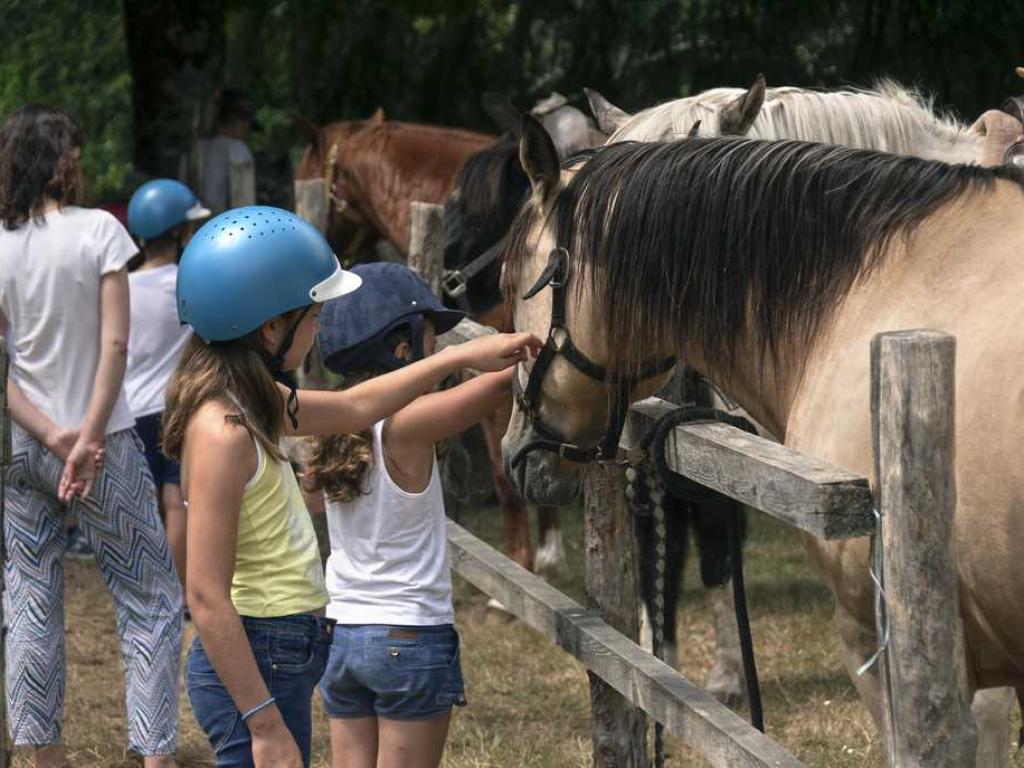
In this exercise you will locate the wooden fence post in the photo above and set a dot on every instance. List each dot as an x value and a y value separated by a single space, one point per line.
619 728
923 673
5 457
426 243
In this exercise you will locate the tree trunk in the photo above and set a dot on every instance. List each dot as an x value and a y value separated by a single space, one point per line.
176 56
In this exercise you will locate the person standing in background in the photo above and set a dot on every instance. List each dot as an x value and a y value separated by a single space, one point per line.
161 215
64 295
220 166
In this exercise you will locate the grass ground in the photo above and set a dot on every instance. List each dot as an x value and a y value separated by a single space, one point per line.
529 701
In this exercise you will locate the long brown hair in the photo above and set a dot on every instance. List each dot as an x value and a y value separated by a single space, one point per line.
38 162
224 370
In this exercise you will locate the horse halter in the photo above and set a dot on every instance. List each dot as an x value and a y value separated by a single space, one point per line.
336 201
556 274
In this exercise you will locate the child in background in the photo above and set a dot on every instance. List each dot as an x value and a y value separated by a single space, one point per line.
250 284
64 294
161 215
393 674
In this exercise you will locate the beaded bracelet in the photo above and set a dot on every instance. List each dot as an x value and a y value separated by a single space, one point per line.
258 708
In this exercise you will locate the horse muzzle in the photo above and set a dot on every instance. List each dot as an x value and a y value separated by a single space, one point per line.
540 477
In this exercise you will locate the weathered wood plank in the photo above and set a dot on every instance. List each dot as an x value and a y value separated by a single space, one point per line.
812 495
619 729
426 243
913 411
686 710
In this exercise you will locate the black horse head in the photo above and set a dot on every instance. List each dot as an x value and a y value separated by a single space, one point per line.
485 198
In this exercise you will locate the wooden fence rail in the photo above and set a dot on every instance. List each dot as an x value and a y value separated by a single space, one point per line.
650 684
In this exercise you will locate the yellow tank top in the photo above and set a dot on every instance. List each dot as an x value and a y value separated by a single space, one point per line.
277 561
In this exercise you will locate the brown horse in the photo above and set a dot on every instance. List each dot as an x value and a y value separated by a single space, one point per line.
371 170
769 266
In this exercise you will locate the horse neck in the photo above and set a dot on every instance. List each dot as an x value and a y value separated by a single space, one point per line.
388 185
887 120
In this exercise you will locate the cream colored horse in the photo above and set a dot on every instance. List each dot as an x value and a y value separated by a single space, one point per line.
802 369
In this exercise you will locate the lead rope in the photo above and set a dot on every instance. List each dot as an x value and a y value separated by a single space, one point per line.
646 495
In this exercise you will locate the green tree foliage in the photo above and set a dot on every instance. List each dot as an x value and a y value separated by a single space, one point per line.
430 60
72 53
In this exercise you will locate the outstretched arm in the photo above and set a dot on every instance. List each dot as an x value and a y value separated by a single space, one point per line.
361 406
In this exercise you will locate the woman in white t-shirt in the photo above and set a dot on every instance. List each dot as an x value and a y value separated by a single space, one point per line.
162 215
64 303
393 672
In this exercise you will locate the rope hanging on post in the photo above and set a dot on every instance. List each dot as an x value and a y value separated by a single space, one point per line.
687 490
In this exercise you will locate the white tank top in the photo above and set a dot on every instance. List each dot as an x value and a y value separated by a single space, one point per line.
389 555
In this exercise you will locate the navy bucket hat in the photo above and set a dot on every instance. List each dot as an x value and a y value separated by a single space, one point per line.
353 329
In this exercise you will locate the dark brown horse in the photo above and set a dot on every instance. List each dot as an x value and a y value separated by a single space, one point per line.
365 173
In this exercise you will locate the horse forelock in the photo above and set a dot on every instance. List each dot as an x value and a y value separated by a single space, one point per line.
732 244
887 118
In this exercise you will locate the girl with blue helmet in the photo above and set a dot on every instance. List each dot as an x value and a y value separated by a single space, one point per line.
393 674
162 214
251 284
64 300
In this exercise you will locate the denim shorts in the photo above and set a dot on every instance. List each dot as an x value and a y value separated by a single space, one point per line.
165 471
291 653
393 672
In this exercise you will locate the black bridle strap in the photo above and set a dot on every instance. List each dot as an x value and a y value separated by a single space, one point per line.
456 281
555 274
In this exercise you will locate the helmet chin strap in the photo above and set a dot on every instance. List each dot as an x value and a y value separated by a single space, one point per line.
286 377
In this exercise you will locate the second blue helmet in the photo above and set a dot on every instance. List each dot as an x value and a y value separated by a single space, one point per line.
160 205
249 265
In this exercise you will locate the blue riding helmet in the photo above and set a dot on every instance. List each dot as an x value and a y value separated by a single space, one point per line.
249 265
160 205
353 331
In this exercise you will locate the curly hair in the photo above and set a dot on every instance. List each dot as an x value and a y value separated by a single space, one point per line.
38 162
337 464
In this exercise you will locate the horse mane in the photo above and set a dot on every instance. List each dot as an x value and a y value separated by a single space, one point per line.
887 118
724 240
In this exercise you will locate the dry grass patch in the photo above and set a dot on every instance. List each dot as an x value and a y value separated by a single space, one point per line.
528 700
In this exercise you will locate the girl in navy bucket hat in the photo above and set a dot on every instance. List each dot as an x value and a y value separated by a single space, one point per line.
251 283
393 673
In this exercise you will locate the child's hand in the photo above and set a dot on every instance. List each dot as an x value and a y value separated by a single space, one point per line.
497 351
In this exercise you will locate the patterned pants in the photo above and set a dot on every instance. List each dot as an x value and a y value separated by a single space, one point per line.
121 521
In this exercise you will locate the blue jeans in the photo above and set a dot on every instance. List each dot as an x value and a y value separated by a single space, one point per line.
291 653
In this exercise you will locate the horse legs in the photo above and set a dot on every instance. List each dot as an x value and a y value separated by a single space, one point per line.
991 708
725 681
515 538
550 558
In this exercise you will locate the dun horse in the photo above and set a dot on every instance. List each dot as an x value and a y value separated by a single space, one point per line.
769 266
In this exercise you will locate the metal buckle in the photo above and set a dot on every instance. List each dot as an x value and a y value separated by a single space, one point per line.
454 283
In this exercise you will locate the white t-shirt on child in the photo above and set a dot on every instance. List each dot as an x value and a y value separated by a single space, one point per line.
156 340
389 552
50 294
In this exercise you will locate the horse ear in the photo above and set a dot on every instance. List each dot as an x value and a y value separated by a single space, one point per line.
503 112
609 117
694 130
377 117
306 128
539 158
736 118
